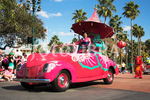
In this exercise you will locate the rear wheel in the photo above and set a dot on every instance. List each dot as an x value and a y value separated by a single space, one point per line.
62 82
26 85
110 77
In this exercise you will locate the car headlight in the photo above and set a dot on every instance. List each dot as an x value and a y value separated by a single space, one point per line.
45 68
18 68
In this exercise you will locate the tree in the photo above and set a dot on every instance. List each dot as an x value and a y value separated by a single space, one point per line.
122 35
40 49
105 8
131 11
16 24
7 10
138 32
116 24
144 56
79 15
74 40
143 46
147 45
54 41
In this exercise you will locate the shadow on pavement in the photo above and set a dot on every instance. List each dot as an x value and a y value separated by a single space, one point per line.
49 88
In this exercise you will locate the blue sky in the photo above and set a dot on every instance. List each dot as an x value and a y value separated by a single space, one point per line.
57 15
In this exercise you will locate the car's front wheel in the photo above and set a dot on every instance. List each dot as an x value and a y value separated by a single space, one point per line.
62 82
110 77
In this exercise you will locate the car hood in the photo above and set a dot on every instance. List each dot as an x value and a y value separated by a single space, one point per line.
38 59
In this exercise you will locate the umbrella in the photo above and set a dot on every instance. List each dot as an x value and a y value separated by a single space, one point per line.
93 25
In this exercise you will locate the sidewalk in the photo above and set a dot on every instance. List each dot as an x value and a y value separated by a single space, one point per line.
128 82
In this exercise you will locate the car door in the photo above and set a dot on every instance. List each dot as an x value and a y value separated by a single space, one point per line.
88 65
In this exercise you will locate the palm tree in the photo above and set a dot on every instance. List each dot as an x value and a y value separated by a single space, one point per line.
74 40
143 46
39 47
141 34
116 24
122 35
79 15
105 8
138 32
131 11
147 45
54 41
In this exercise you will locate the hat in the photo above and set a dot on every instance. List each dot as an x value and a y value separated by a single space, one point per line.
11 53
10 67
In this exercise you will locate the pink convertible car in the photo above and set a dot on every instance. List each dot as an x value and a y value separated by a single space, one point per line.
64 66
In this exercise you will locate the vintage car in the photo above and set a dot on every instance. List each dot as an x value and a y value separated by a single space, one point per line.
64 66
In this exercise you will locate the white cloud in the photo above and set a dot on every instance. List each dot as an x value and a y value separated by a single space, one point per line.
52 15
62 33
54 32
43 13
58 0
47 15
126 28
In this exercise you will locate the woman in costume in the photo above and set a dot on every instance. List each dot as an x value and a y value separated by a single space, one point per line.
83 43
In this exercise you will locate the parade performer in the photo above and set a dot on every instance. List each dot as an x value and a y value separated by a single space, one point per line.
138 67
84 42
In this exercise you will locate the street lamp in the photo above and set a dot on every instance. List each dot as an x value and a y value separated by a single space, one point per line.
34 6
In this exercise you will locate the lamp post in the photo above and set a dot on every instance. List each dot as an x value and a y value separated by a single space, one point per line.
34 3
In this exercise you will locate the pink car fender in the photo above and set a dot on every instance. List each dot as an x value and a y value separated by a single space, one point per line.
56 66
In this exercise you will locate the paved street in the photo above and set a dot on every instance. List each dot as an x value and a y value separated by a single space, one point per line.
124 87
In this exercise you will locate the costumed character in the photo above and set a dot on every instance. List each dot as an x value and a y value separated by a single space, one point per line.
138 67
83 43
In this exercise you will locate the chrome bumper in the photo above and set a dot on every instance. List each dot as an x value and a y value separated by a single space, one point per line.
32 80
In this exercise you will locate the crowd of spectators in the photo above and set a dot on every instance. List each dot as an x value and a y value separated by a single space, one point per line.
8 64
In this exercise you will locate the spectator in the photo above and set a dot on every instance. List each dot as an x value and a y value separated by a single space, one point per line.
24 58
11 60
1 75
120 68
5 62
1 52
17 63
1 58
18 58
8 74
123 67
130 68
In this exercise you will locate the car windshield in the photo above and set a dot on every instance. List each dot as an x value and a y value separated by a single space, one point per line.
64 49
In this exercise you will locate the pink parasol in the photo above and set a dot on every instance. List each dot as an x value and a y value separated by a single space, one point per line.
93 25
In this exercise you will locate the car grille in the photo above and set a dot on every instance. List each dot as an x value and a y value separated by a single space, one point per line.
32 72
